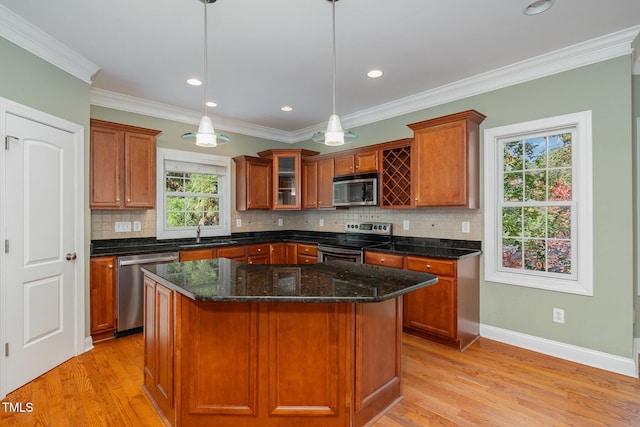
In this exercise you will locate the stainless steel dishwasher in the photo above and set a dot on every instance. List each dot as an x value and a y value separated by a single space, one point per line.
130 289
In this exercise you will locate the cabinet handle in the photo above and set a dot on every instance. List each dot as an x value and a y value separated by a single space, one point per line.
381 259
428 266
110 265
259 249
357 166
118 199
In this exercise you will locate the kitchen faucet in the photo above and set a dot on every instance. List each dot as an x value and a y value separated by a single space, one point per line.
198 234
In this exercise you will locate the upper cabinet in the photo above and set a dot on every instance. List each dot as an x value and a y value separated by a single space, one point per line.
395 175
445 160
356 163
253 183
317 183
122 166
287 179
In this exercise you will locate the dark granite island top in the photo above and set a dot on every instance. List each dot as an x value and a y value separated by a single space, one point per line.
224 280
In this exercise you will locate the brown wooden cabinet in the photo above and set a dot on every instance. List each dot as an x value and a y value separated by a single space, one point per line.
236 253
103 297
259 253
361 161
159 346
448 311
253 183
122 166
445 161
278 253
395 175
317 181
384 259
307 254
197 254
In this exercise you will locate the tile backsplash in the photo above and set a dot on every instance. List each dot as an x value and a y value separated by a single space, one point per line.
434 223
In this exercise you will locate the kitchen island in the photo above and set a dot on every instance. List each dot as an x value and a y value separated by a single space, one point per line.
234 344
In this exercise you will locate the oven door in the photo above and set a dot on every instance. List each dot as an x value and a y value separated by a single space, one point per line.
330 253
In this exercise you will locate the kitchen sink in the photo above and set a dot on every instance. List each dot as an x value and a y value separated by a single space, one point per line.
208 244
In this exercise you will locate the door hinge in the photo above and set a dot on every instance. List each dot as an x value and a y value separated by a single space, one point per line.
6 349
8 139
6 246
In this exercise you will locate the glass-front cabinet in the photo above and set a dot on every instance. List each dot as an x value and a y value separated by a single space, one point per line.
287 180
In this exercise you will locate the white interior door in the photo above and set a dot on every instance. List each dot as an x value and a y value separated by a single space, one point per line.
40 228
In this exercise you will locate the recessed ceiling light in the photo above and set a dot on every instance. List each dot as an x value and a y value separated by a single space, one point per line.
194 82
537 7
211 104
286 108
374 74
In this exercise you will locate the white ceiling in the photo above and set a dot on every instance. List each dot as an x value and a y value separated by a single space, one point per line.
266 54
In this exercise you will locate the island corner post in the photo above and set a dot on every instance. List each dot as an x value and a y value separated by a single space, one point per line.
277 362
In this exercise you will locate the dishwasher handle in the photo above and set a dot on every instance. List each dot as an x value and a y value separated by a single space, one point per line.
147 260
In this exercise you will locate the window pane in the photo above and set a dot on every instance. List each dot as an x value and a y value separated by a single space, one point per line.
559 222
559 256
175 203
513 160
536 186
535 153
513 187
192 219
535 222
175 219
534 255
175 184
560 184
512 222
511 253
560 150
212 218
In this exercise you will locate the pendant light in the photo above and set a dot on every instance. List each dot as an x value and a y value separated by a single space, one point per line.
206 135
334 135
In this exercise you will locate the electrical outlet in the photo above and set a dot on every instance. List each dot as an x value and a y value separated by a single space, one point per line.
405 224
238 222
123 227
137 226
466 228
321 222
558 315
279 222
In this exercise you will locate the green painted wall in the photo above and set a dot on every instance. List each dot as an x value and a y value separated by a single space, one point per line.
636 180
28 80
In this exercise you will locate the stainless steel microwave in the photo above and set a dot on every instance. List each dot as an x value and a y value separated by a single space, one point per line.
356 190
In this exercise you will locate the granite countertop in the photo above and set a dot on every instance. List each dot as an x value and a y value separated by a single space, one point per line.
428 247
224 280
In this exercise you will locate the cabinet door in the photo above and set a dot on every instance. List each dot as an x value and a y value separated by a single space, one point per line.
236 253
140 171
366 161
103 296
291 253
384 259
310 185
325 183
287 181
433 309
105 168
344 165
278 253
258 185
197 254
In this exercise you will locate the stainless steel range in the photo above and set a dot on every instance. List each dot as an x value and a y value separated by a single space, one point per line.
350 245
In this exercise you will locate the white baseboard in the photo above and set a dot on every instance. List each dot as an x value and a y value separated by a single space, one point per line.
585 356
88 344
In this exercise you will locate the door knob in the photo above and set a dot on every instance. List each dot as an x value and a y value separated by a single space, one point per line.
71 256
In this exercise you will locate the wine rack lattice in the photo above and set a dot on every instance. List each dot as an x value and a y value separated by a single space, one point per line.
396 177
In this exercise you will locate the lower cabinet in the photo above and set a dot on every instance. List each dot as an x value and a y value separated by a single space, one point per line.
159 347
259 253
307 254
197 254
448 311
236 253
103 297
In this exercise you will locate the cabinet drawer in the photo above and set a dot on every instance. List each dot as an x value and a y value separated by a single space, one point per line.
430 265
386 260
231 252
259 249
197 254
306 259
309 250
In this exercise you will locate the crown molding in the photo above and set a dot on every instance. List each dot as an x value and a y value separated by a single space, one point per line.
32 39
132 104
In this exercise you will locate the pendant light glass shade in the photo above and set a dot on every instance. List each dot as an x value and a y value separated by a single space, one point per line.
334 135
206 135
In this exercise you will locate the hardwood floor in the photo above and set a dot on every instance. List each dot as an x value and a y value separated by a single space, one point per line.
489 384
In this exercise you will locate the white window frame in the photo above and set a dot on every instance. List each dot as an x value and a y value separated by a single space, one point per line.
224 187
581 281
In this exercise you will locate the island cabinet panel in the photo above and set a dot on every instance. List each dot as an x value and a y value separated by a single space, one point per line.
303 382
377 373
445 161
221 345
159 347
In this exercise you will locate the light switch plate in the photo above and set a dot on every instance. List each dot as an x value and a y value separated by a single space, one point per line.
405 224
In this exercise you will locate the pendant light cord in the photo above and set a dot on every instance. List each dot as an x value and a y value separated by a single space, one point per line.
206 60
333 4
